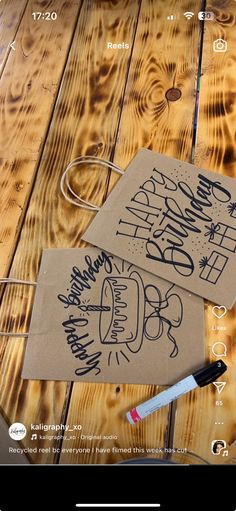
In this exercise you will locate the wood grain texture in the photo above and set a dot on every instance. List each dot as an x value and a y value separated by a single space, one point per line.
28 85
10 16
161 60
106 437
146 121
84 121
197 413
215 148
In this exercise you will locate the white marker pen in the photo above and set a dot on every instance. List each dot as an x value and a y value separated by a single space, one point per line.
201 378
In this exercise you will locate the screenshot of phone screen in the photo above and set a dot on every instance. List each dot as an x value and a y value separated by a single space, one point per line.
88 337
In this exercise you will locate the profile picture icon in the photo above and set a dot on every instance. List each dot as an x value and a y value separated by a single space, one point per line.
218 446
17 431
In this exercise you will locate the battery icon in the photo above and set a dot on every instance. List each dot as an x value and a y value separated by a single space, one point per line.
206 15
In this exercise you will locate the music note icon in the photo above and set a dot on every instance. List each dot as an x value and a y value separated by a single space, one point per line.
225 453
34 437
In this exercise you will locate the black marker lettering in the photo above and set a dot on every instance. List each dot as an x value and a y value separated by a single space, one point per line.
174 256
81 280
214 187
133 230
78 349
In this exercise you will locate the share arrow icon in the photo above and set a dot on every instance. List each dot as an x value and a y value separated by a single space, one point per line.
220 385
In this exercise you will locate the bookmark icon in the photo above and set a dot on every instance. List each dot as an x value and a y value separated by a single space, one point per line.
220 385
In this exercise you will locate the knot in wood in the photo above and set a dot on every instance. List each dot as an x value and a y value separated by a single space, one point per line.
173 94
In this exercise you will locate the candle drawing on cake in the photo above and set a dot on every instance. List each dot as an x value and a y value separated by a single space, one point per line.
93 308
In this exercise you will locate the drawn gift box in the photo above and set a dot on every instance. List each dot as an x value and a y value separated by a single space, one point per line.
212 267
222 235
232 209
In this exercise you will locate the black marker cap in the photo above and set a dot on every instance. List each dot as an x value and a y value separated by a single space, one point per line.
210 373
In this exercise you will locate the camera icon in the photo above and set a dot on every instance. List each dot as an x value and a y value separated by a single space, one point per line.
219 45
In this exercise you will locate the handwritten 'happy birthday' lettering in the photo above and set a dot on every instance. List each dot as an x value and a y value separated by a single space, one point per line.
81 280
79 349
155 217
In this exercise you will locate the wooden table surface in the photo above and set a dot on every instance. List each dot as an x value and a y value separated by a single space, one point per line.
64 94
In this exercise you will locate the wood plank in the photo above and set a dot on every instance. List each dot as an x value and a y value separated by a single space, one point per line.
29 85
84 121
197 412
146 121
106 437
10 16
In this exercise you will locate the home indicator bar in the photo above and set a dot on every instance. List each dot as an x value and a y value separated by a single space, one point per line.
119 505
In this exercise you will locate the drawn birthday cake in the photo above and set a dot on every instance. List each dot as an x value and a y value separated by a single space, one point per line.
119 320
130 312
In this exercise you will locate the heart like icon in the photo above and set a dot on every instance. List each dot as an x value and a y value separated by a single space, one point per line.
219 311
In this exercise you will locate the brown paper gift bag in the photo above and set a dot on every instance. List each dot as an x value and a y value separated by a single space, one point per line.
176 221
98 318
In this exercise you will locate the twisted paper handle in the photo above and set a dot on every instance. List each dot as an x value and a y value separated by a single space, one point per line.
65 185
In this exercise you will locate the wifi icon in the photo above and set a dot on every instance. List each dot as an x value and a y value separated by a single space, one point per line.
189 15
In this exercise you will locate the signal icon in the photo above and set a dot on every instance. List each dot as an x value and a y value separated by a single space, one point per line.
189 15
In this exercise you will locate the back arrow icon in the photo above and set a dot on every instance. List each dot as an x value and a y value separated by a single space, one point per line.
12 45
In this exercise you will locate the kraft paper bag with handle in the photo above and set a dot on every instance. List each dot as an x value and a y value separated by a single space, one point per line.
97 318
174 220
